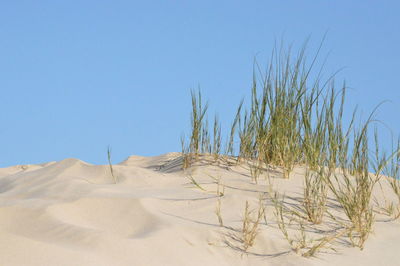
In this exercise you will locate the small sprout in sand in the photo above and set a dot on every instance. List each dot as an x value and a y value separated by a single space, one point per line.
218 213
315 195
250 225
220 192
219 185
195 183
110 164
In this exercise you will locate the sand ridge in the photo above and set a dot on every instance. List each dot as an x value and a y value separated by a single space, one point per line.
71 213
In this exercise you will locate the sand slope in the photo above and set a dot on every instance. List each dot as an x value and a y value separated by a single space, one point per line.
71 213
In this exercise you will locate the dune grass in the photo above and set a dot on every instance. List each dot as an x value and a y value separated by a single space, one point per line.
315 195
392 169
201 141
250 224
295 118
110 165
218 213
195 183
276 129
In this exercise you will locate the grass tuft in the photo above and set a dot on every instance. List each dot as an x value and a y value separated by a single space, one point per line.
250 225
110 164
295 118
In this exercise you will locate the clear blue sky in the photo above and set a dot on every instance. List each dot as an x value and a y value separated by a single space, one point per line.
77 76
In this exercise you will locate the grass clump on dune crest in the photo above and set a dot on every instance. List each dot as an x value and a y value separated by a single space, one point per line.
199 136
296 119
199 132
201 141
276 128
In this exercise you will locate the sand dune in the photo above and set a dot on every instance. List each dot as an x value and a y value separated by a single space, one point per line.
71 213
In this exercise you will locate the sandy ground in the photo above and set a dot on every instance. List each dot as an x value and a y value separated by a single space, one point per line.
71 213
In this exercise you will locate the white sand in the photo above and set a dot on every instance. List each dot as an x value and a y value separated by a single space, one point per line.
71 213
